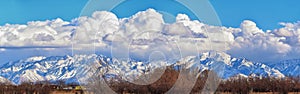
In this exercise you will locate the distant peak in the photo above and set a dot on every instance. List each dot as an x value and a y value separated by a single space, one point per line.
35 58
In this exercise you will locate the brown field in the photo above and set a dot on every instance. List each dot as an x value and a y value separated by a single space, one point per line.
78 92
262 93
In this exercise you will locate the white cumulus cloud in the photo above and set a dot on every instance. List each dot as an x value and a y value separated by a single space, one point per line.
146 32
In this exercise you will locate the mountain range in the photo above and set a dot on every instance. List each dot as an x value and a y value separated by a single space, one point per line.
78 67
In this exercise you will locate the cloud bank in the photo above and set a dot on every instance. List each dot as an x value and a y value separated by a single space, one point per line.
146 35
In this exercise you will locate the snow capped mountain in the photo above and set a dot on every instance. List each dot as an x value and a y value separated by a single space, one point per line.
78 67
227 66
44 68
288 67
66 68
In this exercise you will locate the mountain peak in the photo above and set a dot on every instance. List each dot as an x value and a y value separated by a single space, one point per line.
35 58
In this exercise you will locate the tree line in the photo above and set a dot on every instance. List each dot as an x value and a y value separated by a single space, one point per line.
41 87
236 85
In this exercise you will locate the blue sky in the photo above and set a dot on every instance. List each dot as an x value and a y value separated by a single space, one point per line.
266 13
22 11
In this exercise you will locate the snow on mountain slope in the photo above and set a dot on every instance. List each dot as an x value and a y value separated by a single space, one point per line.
288 67
74 68
5 81
66 68
50 68
227 67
